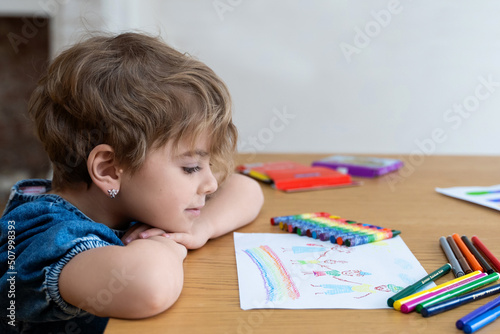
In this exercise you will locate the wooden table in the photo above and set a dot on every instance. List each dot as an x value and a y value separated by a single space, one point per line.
404 200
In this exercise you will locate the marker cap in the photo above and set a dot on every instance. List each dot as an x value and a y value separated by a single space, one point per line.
481 320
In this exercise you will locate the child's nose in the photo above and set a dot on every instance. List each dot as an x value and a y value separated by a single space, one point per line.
210 184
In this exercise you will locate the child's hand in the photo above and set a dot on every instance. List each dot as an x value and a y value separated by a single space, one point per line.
144 231
196 238
141 231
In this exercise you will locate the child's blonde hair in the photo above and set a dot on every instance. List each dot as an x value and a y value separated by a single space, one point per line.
134 93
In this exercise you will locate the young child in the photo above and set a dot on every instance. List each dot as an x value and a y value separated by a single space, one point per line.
141 140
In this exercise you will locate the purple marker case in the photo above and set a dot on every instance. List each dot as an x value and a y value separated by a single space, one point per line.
359 165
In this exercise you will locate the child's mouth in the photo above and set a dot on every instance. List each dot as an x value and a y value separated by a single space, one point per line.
194 211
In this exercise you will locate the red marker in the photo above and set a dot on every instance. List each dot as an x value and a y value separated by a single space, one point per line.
494 261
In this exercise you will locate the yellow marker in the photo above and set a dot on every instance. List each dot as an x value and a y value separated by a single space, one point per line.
398 303
258 175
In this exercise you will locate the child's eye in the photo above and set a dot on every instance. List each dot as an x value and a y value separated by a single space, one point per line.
190 170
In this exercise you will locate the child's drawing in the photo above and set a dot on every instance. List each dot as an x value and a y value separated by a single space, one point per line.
290 271
365 289
323 264
315 248
487 196
277 281
335 274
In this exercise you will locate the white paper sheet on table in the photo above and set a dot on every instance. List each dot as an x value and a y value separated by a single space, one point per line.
292 272
486 196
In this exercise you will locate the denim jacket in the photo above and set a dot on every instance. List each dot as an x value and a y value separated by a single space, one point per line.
39 234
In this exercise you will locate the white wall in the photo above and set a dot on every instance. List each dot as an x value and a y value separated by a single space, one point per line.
333 76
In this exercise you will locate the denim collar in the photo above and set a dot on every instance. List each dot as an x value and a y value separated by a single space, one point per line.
36 189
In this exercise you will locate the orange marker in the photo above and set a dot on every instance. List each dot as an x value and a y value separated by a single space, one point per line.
466 252
460 257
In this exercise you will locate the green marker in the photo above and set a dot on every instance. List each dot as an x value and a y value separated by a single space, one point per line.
419 284
460 290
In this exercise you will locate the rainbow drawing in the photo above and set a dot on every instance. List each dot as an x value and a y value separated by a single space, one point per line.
277 281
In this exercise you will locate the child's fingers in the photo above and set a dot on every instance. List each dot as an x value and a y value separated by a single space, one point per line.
151 232
134 232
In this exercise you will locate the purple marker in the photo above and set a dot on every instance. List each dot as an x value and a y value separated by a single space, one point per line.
477 312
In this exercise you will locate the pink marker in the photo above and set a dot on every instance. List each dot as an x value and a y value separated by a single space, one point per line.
410 305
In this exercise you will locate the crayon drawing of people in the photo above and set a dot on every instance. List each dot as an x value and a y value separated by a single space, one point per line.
355 273
322 264
315 248
336 274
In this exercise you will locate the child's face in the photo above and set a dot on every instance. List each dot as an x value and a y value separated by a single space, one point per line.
169 190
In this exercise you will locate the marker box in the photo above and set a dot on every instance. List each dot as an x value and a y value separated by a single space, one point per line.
290 176
359 165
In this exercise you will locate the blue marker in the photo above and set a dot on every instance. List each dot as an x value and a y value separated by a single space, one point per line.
478 312
459 301
482 320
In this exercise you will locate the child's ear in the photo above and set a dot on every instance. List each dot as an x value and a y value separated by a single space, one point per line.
104 170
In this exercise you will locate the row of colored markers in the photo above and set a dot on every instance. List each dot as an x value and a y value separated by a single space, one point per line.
474 267
324 226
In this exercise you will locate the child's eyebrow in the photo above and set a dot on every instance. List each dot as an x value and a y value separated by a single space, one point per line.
199 153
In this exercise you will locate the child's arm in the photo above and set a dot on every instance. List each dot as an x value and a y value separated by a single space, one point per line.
139 280
236 203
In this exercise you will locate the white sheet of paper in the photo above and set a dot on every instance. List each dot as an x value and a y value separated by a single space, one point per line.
285 270
487 196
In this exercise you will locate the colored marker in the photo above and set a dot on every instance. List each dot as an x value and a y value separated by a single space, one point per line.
461 259
412 304
259 176
487 268
474 264
494 261
471 260
477 312
482 320
460 300
455 266
400 302
460 290
419 284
